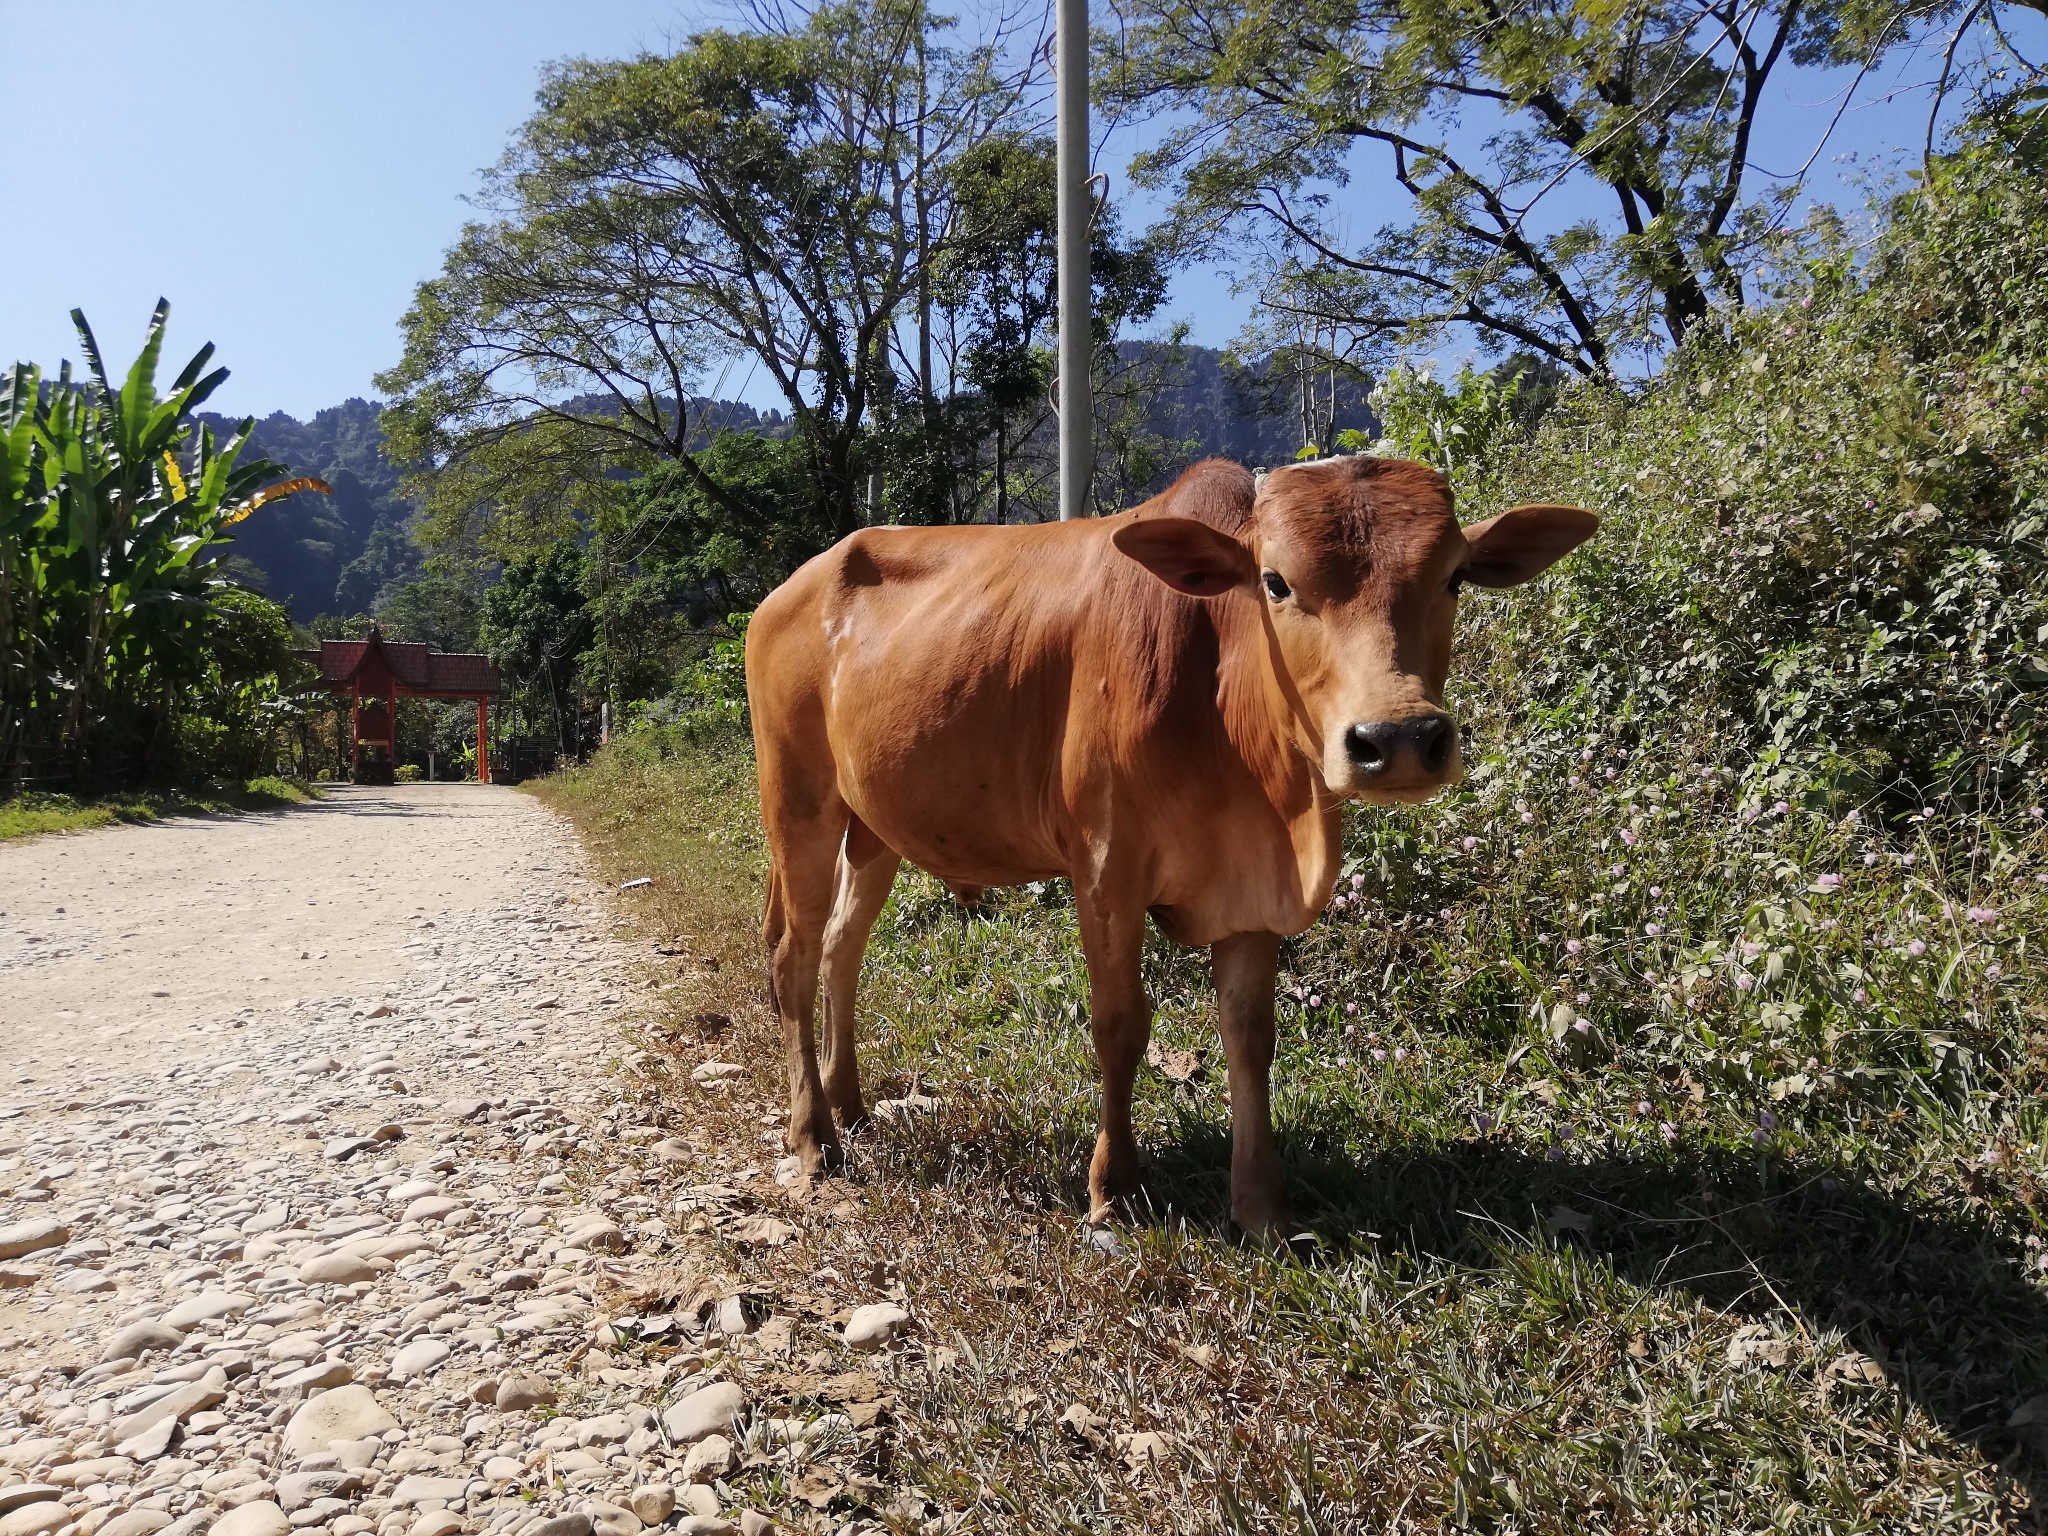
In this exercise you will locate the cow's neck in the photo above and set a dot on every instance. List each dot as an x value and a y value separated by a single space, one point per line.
1272 734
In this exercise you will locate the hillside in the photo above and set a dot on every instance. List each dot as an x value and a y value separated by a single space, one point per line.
351 552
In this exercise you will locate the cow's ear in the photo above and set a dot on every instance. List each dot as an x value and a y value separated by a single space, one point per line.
1187 555
1524 542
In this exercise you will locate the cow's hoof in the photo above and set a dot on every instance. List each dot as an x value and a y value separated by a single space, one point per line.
816 1158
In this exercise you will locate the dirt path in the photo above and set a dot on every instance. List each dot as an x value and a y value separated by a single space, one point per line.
294 1231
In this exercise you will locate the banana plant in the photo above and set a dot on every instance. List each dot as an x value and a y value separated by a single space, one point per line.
105 534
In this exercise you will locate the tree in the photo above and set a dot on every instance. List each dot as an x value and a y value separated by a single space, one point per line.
536 625
772 197
1498 119
996 280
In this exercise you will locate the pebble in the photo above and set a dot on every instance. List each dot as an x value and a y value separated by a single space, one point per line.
345 1413
518 1393
336 1269
27 1237
207 1307
874 1325
709 1458
707 1411
574 1523
210 1389
438 1522
419 1358
295 1490
136 1522
704 1525
34 1519
655 1502
258 1518
138 1339
22 1494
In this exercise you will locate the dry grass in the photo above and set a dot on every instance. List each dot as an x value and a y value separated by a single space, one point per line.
1489 1334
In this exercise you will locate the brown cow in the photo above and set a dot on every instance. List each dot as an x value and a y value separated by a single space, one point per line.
1169 706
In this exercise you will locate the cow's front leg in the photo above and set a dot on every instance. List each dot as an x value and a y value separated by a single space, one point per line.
1245 967
1113 938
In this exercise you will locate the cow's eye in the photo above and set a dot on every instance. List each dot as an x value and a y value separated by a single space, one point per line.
1457 582
1276 586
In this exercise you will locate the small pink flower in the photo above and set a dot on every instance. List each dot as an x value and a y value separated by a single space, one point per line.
1986 916
1869 859
1630 836
1781 808
1583 1026
1917 948
1860 996
1358 882
1400 1053
1827 882
1572 946
1378 1054
1350 1008
1993 971
1653 929
1468 843
1583 998
1744 981
1528 818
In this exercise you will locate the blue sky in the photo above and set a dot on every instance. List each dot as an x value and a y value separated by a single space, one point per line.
285 171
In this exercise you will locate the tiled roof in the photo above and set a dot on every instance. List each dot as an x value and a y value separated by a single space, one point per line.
419 668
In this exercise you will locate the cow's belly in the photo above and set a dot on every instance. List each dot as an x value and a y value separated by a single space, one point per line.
960 781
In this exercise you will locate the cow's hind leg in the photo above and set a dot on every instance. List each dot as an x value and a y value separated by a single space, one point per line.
862 888
1113 939
1245 967
805 851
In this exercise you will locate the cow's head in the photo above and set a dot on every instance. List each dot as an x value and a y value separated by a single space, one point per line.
1357 563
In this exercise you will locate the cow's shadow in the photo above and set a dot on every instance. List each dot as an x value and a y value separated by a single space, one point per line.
1941 1298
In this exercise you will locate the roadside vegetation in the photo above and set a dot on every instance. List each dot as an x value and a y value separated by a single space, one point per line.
1664 1102
37 812
128 654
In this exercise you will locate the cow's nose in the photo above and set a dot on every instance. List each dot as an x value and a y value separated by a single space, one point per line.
1380 746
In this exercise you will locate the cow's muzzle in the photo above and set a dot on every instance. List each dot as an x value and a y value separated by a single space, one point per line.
1407 753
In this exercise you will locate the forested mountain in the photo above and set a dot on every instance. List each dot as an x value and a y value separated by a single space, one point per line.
329 554
350 553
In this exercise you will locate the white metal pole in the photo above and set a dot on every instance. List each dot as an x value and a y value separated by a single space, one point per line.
1076 403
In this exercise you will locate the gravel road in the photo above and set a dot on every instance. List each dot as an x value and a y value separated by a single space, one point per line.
302 1222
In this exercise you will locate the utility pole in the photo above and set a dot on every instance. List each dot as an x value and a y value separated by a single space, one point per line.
1076 398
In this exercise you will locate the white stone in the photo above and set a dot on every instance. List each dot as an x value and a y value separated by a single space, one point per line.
418 1358
26 1237
337 1269
258 1518
346 1413
654 1502
707 1411
208 1306
34 1519
874 1325
709 1458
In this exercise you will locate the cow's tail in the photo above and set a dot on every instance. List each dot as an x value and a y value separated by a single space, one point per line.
774 923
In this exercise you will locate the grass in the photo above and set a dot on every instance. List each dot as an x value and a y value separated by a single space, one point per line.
35 813
1563 1280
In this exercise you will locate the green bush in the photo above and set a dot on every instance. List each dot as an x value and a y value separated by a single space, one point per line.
410 773
1753 830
